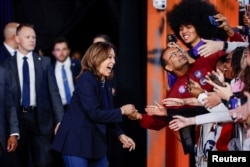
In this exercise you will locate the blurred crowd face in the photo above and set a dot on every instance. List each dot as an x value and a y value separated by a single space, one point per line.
61 51
243 61
220 66
26 39
228 67
10 34
189 34
106 67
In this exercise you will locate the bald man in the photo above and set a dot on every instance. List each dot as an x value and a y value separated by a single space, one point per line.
9 46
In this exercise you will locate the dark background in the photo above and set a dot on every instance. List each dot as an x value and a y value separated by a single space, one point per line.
79 21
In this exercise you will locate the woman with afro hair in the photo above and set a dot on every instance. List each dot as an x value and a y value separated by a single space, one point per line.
190 22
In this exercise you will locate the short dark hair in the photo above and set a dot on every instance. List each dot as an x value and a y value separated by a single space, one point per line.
60 40
104 36
20 26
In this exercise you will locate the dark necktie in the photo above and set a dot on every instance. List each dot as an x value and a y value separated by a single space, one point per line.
66 85
26 84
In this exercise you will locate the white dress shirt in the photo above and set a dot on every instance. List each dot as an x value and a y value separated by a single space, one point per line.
59 78
31 74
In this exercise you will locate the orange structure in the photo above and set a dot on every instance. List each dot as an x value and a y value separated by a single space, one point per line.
164 148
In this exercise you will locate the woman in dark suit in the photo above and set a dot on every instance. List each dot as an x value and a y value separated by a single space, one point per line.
81 137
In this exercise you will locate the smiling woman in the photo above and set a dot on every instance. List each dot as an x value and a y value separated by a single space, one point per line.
91 114
103 62
100 62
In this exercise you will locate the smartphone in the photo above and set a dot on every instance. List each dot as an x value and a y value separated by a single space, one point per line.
216 80
171 38
213 21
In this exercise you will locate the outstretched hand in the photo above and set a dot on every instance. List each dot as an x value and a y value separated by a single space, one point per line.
180 122
173 102
157 109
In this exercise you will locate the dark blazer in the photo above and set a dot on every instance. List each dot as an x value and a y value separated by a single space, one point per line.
8 116
4 53
49 105
75 68
82 132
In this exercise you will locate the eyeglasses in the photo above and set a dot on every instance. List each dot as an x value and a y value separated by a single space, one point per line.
175 54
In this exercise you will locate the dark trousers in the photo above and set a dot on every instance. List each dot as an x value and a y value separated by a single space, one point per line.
34 149
8 159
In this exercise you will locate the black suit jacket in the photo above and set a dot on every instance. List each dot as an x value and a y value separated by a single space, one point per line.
4 53
75 68
49 105
8 116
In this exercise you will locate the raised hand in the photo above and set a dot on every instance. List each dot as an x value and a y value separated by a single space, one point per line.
216 76
194 88
224 24
224 92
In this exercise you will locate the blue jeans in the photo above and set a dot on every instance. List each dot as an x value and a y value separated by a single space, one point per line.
73 161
